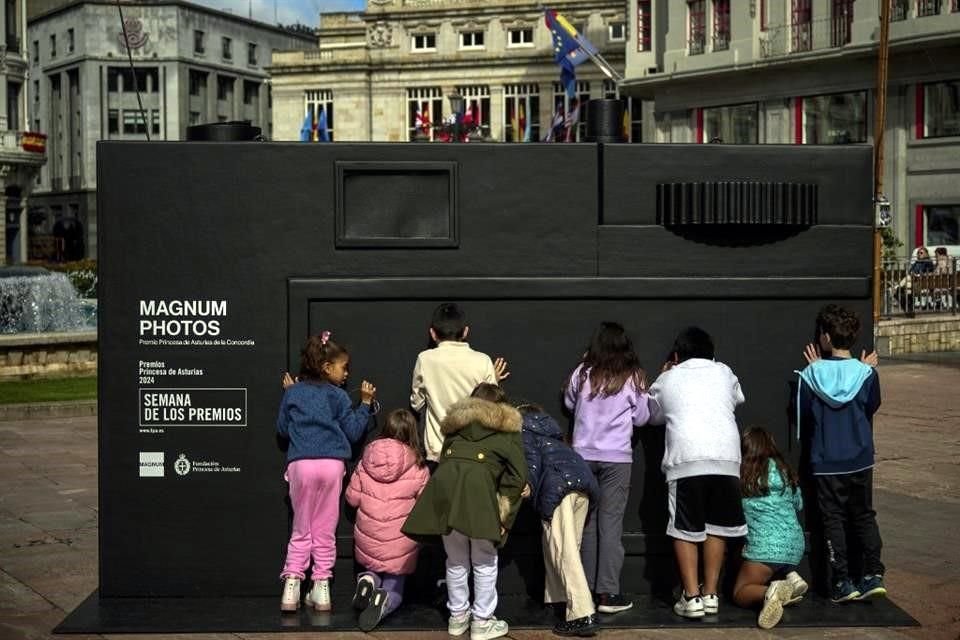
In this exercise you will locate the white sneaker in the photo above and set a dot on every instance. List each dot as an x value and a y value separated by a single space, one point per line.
290 600
691 607
778 594
457 625
319 596
711 603
488 629
799 586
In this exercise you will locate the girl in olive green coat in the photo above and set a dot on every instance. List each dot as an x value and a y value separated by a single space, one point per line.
472 500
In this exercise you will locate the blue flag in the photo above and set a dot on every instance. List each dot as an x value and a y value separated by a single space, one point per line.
570 49
305 130
322 134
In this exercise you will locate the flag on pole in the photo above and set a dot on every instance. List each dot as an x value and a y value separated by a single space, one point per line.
323 134
626 121
570 49
521 127
306 126
528 126
556 124
571 120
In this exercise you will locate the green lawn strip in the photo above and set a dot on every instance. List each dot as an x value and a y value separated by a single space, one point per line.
53 390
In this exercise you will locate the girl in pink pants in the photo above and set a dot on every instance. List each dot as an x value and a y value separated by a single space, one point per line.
320 424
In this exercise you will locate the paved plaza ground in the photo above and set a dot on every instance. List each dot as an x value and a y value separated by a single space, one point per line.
48 519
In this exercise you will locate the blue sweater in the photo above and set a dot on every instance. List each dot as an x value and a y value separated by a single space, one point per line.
319 421
837 400
773 531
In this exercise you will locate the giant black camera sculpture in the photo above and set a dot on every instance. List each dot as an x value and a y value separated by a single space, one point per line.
217 261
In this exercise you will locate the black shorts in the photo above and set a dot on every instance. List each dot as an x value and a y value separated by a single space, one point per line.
705 505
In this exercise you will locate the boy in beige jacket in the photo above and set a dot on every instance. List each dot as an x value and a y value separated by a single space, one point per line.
448 373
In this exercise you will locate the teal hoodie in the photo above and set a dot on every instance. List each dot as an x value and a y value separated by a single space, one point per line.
837 398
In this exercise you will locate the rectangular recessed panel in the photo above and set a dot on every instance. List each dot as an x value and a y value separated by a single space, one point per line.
736 202
401 204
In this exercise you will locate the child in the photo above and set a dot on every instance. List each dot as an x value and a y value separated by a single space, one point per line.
607 395
472 500
837 397
696 398
771 500
384 487
317 418
448 373
562 487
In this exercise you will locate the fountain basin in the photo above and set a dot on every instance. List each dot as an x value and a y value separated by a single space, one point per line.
48 355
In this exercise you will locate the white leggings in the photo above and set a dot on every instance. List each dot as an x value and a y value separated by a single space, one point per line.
462 553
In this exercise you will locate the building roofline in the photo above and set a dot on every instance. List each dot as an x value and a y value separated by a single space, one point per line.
175 3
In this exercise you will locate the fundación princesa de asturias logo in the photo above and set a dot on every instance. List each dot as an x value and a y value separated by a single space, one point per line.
182 465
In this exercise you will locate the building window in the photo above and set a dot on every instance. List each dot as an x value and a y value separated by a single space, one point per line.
520 37
13 105
424 107
198 82
941 225
696 26
471 39
899 10
735 124
227 48
644 23
940 108
70 41
841 18
521 112
763 14
133 122
225 88
617 31
53 45
121 79
928 8
252 54
424 42
570 114
476 100
839 118
198 42
721 25
194 118
113 121
36 52
251 92
801 25
319 104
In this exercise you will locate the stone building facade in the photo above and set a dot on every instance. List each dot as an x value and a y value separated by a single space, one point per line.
374 71
21 150
191 65
804 72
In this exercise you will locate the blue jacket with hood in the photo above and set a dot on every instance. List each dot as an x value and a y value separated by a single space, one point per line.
837 398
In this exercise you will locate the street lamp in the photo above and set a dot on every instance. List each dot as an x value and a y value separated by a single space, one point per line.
456 106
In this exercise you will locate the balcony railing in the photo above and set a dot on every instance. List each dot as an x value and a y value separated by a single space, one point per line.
696 45
781 40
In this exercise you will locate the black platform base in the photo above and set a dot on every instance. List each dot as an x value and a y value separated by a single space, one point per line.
208 615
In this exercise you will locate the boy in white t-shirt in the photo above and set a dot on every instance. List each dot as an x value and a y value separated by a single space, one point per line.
696 397
447 373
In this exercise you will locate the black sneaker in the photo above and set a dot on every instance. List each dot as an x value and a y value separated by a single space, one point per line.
373 614
583 627
613 603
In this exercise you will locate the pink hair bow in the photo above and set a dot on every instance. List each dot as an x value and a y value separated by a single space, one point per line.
324 337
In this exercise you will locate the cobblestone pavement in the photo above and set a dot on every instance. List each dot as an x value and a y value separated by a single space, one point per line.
48 520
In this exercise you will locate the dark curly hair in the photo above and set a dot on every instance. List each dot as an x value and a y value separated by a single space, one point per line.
841 324
315 354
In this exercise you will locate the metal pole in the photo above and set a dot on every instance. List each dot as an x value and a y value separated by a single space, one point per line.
880 117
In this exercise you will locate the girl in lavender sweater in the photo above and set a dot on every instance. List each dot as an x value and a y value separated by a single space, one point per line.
607 395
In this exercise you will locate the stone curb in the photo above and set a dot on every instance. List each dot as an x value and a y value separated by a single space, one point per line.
39 410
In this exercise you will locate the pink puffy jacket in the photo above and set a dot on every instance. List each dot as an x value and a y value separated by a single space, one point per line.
384 488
